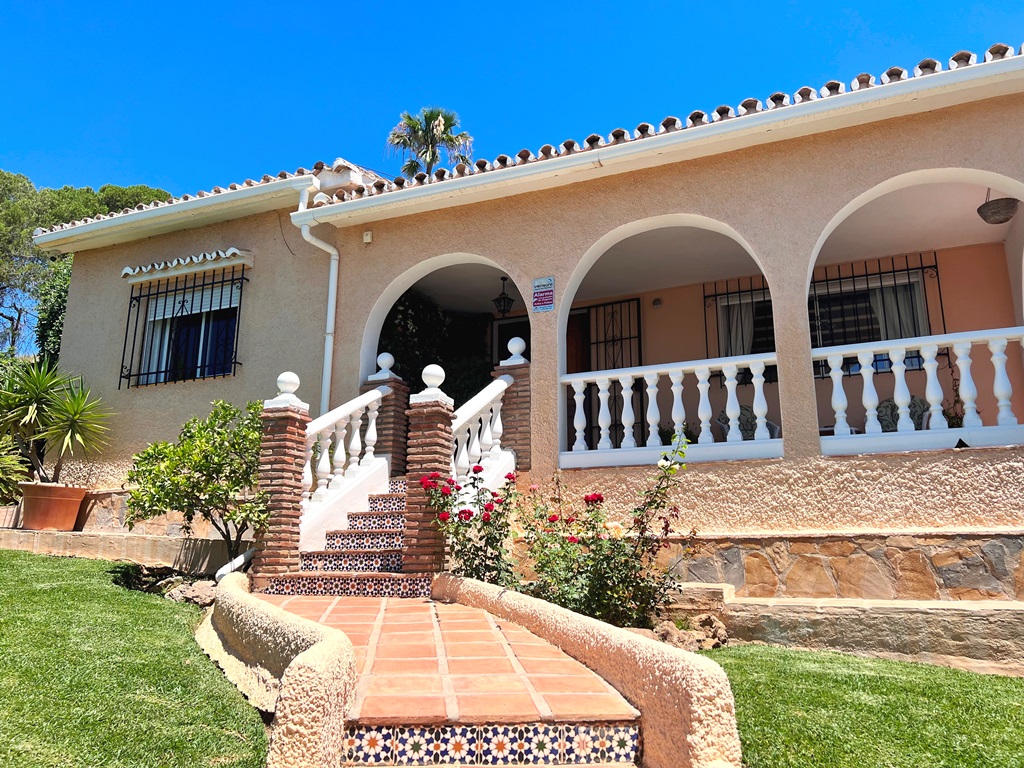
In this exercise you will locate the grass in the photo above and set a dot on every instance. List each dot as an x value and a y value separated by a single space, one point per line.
92 674
805 708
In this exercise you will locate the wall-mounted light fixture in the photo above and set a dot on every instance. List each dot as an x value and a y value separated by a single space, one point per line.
503 303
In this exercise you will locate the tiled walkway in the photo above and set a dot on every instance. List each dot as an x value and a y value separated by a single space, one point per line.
422 662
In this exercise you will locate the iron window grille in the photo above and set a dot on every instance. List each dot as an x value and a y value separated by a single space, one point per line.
183 328
741 310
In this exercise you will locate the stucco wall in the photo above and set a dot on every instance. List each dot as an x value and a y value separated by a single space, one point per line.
281 327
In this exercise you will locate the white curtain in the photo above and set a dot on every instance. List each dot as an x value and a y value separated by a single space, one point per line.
897 311
736 329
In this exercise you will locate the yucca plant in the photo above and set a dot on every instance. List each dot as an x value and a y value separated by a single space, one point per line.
47 411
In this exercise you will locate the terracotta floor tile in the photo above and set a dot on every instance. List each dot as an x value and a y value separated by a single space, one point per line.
588 706
406 651
488 684
534 651
579 683
463 650
405 666
274 599
398 618
403 710
400 638
497 708
473 625
480 667
404 684
522 636
563 666
467 636
360 640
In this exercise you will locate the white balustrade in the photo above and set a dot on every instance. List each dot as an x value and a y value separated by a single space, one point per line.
612 420
477 429
915 427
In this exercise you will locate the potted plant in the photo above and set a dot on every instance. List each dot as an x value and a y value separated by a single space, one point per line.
50 414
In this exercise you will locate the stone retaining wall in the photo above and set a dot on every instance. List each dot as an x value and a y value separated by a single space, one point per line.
943 565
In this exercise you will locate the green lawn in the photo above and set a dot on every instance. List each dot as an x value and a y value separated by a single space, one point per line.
801 708
92 674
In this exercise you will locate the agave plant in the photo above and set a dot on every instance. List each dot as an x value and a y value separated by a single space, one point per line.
48 412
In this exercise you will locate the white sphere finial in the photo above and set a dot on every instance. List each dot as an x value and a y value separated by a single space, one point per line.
384 361
433 376
287 383
516 347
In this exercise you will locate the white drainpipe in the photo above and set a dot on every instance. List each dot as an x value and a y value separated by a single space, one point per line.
332 300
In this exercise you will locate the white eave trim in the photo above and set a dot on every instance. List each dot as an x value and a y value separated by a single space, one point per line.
918 94
185 214
186 265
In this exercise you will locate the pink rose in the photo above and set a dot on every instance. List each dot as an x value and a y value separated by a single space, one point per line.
534 487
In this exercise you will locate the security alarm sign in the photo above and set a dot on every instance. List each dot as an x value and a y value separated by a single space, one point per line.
543 294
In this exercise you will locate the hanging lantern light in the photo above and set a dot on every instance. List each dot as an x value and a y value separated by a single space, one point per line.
998 211
503 303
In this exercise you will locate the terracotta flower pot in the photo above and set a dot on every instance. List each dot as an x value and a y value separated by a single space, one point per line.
49 506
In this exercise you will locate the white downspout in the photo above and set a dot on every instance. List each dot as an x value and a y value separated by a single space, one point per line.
332 300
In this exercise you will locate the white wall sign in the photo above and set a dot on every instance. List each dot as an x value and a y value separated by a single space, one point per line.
543 294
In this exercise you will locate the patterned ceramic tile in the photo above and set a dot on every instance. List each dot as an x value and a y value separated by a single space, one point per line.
370 562
397 485
415 746
617 743
578 744
387 502
499 744
370 746
376 521
345 540
352 586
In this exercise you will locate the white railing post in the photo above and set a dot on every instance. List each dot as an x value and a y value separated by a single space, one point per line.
704 412
323 465
340 445
760 406
371 432
1001 386
604 415
462 462
497 429
626 387
932 388
901 392
732 404
839 401
355 446
474 452
579 419
486 437
678 408
870 396
653 413
307 473
968 390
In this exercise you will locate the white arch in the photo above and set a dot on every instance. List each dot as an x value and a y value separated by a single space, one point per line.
617 235
914 179
394 291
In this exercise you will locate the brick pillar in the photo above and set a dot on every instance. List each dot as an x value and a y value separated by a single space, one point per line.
515 404
392 422
430 447
282 456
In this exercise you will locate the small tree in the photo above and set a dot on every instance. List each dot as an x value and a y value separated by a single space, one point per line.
421 139
211 472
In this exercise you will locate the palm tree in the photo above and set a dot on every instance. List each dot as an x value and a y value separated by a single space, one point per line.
420 139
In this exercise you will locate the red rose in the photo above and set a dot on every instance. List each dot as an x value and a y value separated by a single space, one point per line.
498 500
466 515
570 519
431 485
424 481
511 476
553 519
593 498
446 491
435 475
450 481
486 517
573 540
444 517
458 487
477 469
488 507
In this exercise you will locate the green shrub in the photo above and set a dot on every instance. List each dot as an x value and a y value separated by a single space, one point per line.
210 473
13 470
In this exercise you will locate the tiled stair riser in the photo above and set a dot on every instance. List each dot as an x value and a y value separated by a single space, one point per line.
352 586
369 562
387 502
397 485
353 539
376 521
525 744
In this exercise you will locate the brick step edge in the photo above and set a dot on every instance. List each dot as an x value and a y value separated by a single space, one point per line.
569 743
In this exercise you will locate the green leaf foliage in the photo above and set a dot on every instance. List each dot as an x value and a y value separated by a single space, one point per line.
421 139
51 303
210 473
13 470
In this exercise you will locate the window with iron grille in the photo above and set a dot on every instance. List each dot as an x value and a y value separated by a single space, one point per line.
183 327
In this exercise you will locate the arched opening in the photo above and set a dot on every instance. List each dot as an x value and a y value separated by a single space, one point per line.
444 311
914 311
667 330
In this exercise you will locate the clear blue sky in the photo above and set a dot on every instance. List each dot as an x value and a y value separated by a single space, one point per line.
186 96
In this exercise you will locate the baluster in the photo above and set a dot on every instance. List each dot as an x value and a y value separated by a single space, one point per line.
968 390
462 462
1001 386
579 419
497 428
626 386
678 408
870 396
355 446
760 402
604 416
653 414
486 436
839 402
933 389
307 471
732 404
474 441
371 432
901 393
340 457
323 466
704 411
